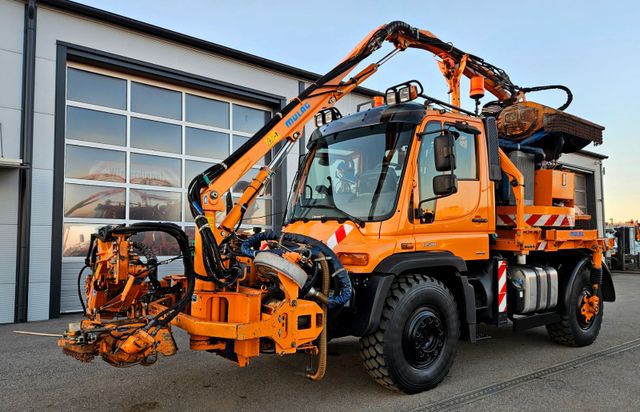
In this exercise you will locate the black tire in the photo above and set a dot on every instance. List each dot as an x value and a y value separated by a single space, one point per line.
573 329
417 339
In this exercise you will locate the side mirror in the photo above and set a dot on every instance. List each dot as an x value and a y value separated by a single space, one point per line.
444 150
445 185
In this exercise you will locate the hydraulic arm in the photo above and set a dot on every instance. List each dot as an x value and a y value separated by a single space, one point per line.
206 190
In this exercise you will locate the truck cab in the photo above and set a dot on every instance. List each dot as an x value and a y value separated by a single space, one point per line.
374 171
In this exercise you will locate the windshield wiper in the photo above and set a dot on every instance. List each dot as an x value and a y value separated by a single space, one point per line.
346 215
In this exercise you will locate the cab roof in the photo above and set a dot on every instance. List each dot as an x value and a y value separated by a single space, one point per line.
412 113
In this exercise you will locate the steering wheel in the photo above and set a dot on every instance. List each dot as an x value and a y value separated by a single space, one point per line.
369 179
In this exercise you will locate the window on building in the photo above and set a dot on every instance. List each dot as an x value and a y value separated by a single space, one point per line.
99 89
156 101
96 126
132 147
158 136
208 112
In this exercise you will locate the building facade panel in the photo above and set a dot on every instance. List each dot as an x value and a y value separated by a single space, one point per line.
8 241
45 85
56 26
38 307
40 264
11 63
41 213
12 13
43 129
8 197
7 297
10 125
8 261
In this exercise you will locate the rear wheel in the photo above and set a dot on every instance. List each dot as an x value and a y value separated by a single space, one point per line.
577 328
417 339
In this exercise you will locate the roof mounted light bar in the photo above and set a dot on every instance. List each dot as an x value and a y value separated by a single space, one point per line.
403 92
326 116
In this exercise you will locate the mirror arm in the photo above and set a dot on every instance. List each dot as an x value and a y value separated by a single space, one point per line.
429 199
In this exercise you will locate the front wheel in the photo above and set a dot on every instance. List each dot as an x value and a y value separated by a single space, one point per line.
417 338
577 328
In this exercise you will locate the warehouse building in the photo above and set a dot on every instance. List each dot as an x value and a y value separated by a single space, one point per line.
105 120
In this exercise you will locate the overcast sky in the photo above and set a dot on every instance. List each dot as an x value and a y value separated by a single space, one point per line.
591 46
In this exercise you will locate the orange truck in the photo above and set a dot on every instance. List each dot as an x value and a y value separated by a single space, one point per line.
409 223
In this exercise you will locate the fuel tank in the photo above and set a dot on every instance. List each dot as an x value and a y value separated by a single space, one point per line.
532 288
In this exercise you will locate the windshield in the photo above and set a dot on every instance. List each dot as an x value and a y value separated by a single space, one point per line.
353 174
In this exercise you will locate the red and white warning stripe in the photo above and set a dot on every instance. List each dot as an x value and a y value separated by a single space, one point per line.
538 220
542 245
339 235
502 286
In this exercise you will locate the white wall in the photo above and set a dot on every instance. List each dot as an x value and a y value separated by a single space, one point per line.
11 43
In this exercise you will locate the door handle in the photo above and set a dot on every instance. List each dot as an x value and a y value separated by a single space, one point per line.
479 220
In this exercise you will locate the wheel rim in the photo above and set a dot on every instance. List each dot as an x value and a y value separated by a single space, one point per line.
582 320
424 337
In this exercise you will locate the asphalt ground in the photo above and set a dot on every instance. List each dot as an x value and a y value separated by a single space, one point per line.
524 372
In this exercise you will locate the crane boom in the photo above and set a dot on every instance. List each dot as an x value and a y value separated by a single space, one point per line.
205 191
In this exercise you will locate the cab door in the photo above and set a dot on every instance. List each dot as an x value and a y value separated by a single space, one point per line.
458 223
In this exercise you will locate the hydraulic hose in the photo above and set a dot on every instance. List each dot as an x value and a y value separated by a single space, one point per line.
250 247
322 346
552 87
84 307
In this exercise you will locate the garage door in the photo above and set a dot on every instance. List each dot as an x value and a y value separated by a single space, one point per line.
132 147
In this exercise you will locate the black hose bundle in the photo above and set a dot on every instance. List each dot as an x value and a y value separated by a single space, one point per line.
250 247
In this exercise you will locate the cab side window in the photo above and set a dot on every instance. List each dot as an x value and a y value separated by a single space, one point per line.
426 165
466 161
466 158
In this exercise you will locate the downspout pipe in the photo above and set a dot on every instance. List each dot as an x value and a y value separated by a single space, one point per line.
26 149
